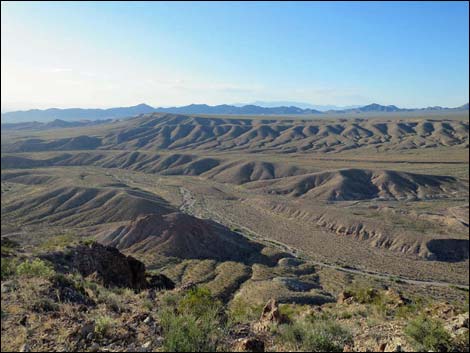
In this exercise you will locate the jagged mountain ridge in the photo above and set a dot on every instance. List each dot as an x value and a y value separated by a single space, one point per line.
71 114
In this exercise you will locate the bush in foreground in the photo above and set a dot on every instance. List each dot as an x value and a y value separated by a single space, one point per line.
428 335
8 267
192 323
103 325
35 268
315 336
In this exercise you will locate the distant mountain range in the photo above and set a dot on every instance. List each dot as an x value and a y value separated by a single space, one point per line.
303 105
75 114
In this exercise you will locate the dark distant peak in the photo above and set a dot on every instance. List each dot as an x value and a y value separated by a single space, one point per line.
464 107
374 107
198 105
225 109
142 105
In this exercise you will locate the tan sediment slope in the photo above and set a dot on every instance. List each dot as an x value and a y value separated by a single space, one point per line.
361 184
219 169
273 177
179 132
69 206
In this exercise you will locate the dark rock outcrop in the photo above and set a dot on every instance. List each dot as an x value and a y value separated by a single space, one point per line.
107 265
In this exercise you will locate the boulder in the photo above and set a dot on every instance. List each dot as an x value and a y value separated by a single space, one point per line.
160 282
251 344
457 325
270 315
395 345
186 286
345 297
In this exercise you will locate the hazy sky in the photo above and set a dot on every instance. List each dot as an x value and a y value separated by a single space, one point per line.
163 54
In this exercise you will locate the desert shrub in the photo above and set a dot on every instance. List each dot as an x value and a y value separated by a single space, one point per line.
170 299
428 335
148 304
191 322
101 294
290 311
8 267
35 268
8 247
406 311
241 311
111 300
43 305
56 243
103 325
345 315
365 295
189 333
374 298
314 336
90 285
197 302
88 241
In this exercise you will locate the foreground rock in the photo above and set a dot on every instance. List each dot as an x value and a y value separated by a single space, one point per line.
251 344
270 315
108 266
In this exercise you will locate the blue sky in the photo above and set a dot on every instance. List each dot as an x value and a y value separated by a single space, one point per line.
117 54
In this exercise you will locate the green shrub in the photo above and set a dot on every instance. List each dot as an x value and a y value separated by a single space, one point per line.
191 322
103 325
405 311
188 333
56 242
314 336
428 335
148 304
8 247
111 300
241 311
43 305
8 267
365 295
170 299
197 302
35 268
345 315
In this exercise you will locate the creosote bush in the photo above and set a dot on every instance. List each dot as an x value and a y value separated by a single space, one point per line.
241 311
103 325
8 267
35 268
192 322
313 336
428 335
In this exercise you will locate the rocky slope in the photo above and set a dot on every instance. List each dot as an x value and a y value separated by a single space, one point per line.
182 236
